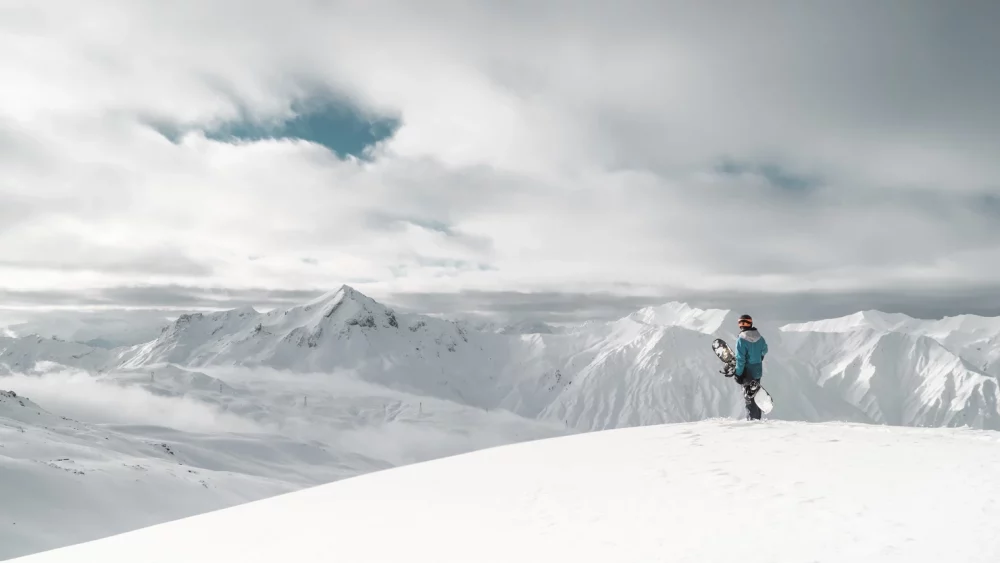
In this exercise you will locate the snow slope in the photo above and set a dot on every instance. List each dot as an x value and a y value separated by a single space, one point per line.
976 339
166 443
63 481
895 378
706 492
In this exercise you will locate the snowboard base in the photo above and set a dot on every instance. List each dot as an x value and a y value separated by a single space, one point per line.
763 400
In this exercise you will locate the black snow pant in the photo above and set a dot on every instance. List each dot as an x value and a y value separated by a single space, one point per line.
750 387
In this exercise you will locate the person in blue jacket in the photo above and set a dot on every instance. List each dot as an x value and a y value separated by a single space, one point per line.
750 351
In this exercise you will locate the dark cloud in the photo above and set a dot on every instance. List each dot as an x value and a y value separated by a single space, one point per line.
104 329
510 306
981 300
774 174
167 296
391 222
791 307
888 92
425 261
382 220
154 263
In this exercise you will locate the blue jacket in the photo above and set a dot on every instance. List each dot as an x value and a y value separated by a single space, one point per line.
750 351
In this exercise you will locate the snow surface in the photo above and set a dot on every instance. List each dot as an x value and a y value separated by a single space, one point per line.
704 492
253 404
172 445
63 481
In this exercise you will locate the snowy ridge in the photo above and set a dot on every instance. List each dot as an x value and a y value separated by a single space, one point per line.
861 320
343 330
630 495
649 367
900 379
976 339
708 321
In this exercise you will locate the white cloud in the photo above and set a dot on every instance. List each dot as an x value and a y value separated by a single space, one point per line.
562 146
80 396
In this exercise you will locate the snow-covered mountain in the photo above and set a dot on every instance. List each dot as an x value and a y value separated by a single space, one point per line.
344 385
649 367
710 492
975 339
682 315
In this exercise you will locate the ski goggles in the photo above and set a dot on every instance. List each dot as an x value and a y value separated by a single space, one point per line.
745 322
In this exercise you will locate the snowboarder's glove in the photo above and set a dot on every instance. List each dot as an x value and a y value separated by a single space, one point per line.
741 379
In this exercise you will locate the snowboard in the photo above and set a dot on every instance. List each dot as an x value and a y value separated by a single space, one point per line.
761 397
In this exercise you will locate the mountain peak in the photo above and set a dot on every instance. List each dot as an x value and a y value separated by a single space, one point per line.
675 313
870 319
343 292
346 306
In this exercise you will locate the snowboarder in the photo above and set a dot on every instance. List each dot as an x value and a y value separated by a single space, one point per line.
750 351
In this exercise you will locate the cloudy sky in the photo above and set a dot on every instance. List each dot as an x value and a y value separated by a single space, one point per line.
483 155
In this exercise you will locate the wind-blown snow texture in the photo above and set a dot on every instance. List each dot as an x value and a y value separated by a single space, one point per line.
706 492
254 404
